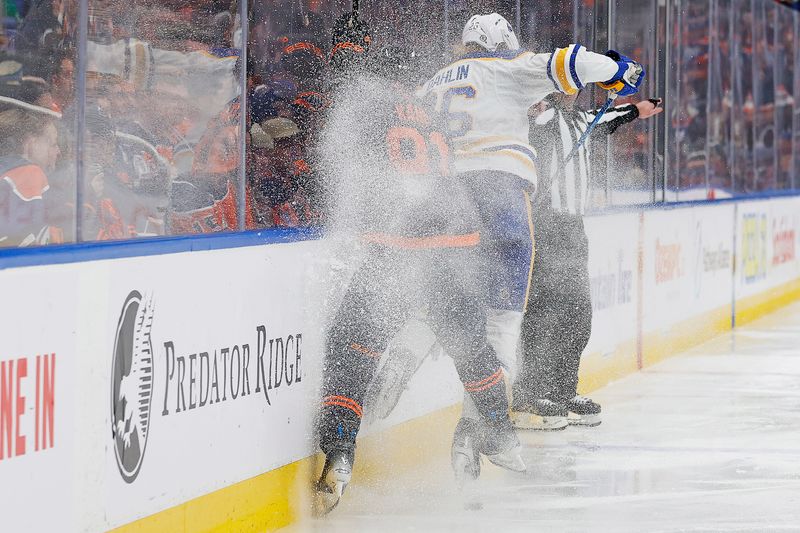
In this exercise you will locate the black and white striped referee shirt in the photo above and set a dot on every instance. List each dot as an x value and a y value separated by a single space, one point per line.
553 133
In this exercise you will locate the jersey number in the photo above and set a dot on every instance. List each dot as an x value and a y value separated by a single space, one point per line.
458 123
409 151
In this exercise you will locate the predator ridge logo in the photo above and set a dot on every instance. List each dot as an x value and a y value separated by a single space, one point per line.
132 384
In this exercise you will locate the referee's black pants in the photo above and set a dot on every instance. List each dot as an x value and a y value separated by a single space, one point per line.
558 319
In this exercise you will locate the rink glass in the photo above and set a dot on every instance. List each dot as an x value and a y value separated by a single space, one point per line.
161 138
153 140
38 58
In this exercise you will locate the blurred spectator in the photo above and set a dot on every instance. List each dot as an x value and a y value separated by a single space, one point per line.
28 152
113 208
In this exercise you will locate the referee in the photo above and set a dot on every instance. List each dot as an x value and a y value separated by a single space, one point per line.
558 321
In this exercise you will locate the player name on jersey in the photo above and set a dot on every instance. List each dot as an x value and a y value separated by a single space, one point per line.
461 72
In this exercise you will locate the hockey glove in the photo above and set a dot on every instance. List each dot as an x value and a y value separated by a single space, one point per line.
628 78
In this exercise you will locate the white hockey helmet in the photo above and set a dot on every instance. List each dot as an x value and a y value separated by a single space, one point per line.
490 32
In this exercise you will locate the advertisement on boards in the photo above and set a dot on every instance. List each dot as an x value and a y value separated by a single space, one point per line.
613 253
688 262
768 234
37 391
211 378
784 237
711 283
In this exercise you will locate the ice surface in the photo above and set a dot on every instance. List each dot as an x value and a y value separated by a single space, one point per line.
707 441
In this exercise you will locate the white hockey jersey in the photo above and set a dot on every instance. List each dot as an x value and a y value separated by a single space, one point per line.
485 98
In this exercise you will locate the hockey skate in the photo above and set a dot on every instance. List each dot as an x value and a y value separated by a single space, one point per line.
499 444
583 411
465 455
502 447
335 476
540 415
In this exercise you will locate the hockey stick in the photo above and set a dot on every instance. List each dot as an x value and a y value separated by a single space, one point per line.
612 95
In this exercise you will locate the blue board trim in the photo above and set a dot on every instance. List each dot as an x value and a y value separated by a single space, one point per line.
96 251
688 203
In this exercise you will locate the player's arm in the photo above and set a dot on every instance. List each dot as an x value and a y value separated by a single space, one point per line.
624 114
570 69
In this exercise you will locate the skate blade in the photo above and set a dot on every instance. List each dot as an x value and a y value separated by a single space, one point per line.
462 468
510 460
329 491
324 502
523 420
574 419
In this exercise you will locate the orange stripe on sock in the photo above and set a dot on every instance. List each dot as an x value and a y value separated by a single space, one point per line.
366 351
485 380
342 401
421 243
489 385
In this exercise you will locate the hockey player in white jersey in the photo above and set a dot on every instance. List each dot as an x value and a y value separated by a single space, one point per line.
484 97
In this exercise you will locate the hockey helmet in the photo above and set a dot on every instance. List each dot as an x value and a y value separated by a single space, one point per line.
492 32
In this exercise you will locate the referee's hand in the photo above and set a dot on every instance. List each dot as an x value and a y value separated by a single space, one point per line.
650 108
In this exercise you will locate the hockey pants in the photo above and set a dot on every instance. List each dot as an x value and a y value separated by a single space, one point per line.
507 249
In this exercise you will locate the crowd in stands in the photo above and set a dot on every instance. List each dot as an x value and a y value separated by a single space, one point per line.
156 133
733 105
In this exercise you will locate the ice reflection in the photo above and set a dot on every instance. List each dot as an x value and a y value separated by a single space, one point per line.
703 442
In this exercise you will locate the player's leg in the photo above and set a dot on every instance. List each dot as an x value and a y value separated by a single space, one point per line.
507 254
400 361
541 354
556 329
576 328
370 314
458 317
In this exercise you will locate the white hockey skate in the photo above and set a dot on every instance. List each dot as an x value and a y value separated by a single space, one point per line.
510 459
501 448
335 477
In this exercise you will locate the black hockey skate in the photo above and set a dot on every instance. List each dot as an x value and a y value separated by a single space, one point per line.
541 415
334 479
583 412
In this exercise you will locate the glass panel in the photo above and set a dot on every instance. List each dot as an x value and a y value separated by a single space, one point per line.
292 69
630 148
693 93
549 24
794 44
289 47
718 101
37 122
784 101
763 99
742 106
162 118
